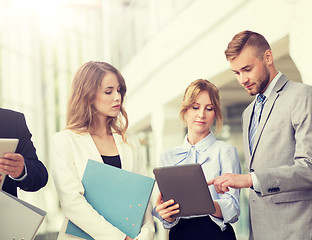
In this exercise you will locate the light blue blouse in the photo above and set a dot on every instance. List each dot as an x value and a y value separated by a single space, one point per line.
216 158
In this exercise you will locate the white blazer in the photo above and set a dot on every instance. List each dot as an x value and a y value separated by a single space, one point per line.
71 152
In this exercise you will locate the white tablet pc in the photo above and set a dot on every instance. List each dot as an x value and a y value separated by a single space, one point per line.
7 145
186 184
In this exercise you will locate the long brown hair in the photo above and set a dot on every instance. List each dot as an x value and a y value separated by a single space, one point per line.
81 114
191 94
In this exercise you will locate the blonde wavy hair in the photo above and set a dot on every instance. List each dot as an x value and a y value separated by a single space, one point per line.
191 94
82 116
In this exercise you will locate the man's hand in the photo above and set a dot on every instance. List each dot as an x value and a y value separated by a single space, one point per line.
233 180
12 164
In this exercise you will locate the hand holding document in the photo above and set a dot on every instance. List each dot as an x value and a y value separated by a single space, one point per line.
7 145
22 220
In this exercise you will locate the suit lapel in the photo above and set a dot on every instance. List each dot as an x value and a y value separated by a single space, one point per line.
88 143
125 152
267 109
247 120
264 117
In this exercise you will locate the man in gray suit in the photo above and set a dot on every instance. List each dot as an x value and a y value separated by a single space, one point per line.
277 134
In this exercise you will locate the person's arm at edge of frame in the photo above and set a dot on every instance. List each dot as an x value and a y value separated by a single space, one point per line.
35 175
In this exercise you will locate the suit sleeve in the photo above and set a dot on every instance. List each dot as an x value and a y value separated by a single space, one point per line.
299 175
37 175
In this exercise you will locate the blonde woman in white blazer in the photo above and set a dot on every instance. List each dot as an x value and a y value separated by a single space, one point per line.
96 129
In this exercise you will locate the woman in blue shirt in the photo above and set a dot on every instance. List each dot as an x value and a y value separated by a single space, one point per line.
200 108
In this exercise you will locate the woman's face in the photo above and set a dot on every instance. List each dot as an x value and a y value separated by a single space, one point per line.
200 116
108 98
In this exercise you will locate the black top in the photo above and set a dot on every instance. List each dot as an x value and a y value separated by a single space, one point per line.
112 160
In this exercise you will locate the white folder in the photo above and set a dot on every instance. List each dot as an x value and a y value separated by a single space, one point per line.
19 219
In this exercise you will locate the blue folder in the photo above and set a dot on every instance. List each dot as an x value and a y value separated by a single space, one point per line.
120 196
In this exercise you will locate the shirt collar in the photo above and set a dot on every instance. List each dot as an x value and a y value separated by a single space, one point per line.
269 89
202 145
188 153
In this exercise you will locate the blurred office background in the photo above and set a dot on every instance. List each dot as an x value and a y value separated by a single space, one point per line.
160 46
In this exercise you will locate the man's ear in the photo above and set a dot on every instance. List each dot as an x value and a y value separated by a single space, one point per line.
268 57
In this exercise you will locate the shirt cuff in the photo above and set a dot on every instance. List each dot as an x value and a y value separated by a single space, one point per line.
169 225
255 182
230 211
166 224
219 222
22 177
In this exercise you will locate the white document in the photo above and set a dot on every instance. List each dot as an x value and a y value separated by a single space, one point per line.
19 219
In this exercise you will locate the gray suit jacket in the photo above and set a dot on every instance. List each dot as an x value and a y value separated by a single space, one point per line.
282 162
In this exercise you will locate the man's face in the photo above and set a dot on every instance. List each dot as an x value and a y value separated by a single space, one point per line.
252 73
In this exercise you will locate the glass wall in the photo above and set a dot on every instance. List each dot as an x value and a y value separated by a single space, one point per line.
134 23
42 44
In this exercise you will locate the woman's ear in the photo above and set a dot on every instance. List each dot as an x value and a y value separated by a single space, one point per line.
92 100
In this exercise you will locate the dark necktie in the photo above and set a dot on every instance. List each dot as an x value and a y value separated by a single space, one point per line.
255 119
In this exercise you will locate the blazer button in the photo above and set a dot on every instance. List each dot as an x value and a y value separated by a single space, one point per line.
276 189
